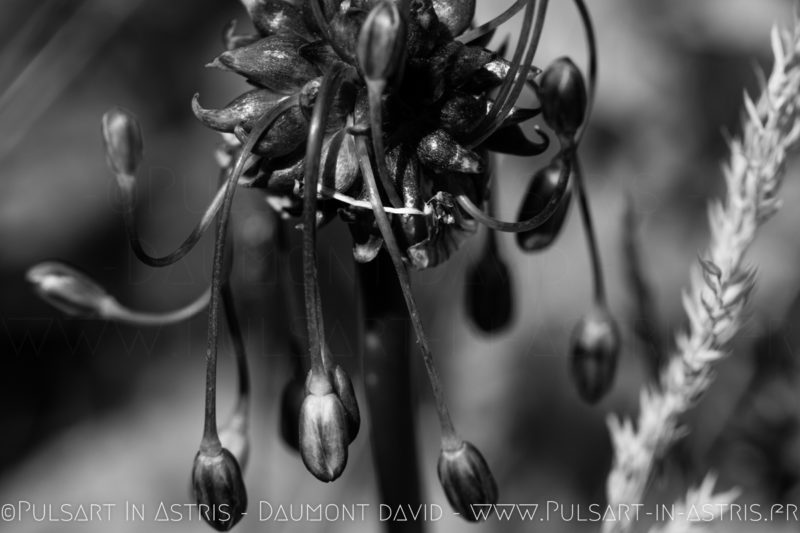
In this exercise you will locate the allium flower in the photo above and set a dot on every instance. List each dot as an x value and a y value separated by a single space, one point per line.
384 114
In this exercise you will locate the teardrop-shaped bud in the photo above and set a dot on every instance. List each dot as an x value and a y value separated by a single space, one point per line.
68 289
461 113
323 429
219 488
294 392
540 190
466 480
562 92
235 437
489 291
340 167
343 388
594 352
244 110
273 62
276 17
382 41
455 15
441 152
123 140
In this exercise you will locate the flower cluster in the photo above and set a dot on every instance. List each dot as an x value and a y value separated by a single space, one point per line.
384 114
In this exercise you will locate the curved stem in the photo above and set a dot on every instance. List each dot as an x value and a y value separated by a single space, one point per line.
375 90
591 43
119 313
476 33
237 339
210 441
127 187
591 239
316 337
524 225
445 421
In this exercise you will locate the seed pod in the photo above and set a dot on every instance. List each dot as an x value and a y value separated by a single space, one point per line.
294 392
69 290
235 438
455 15
466 480
276 17
218 486
323 429
593 355
441 152
563 96
273 62
489 291
381 43
540 190
123 140
243 110
461 113
343 388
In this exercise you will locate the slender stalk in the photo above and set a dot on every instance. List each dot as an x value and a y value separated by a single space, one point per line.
445 421
524 225
375 90
210 442
127 189
591 238
591 44
119 313
476 33
316 337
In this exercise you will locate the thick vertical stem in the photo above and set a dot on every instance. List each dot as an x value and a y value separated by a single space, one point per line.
387 382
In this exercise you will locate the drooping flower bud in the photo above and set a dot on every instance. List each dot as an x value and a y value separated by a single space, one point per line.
68 289
343 387
123 140
562 92
323 429
440 151
294 392
489 292
540 190
219 488
381 43
467 480
594 352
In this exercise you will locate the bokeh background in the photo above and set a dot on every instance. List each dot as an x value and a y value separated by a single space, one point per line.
100 413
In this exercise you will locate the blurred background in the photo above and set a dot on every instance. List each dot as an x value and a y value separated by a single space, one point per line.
103 413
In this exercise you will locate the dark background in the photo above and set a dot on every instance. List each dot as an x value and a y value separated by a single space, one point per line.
95 412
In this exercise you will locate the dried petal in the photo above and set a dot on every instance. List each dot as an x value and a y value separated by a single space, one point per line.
512 140
455 15
273 62
68 289
441 152
287 133
448 228
594 353
466 480
219 487
244 110
123 139
461 113
276 17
